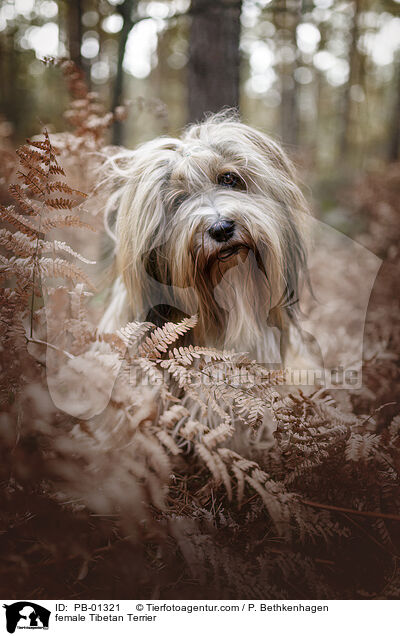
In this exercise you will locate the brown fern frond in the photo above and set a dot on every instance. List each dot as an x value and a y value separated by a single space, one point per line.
168 442
41 144
50 158
214 354
20 222
153 376
132 332
17 242
85 114
28 156
173 415
362 447
36 172
56 169
218 435
225 477
33 182
27 243
192 429
252 409
157 343
23 245
61 186
155 454
22 269
68 220
60 203
60 268
241 469
61 246
185 355
183 376
29 206
208 457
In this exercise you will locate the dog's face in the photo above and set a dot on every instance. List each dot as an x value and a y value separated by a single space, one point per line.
218 213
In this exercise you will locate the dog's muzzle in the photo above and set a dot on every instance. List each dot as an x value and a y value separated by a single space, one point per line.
222 230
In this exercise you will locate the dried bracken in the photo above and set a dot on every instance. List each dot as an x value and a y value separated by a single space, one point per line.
173 470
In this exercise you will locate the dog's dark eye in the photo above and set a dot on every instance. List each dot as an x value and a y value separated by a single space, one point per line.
181 198
231 180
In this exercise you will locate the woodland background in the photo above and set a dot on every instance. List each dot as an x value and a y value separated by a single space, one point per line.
144 500
322 76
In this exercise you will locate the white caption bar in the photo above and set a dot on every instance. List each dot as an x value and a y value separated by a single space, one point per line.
192 617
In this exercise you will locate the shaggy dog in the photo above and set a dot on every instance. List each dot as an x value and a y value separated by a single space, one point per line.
213 224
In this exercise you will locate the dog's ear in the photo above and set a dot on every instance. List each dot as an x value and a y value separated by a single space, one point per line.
281 180
140 177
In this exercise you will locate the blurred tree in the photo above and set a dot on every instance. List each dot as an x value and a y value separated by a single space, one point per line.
394 125
353 60
214 59
125 9
167 75
74 30
324 73
288 18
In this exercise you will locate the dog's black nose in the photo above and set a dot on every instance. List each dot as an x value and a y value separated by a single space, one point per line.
222 230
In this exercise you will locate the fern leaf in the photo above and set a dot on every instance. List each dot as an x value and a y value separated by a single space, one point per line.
20 222
59 268
182 376
17 242
134 331
41 144
362 447
208 458
61 186
218 435
27 205
65 221
168 442
156 456
23 245
159 340
185 355
240 483
192 429
64 247
226 480
27 155
175 413
60 203
152 373
56 169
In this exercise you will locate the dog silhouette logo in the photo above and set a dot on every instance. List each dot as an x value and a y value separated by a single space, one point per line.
26 615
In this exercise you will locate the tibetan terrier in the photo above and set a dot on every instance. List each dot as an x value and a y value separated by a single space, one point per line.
213 224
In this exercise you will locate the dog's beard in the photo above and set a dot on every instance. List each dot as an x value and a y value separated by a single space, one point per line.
236 287
244 296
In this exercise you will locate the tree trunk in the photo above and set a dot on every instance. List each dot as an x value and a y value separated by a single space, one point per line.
353 70
74 26
126 10
214 60
289 112
394 127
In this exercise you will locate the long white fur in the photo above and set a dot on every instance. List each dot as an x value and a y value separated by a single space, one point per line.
242 301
